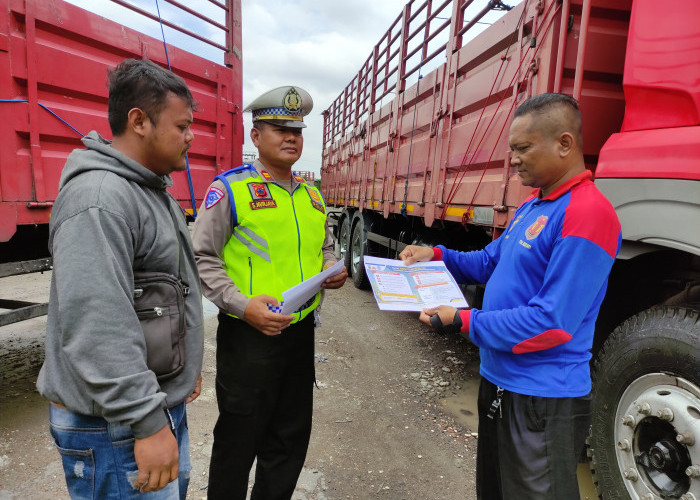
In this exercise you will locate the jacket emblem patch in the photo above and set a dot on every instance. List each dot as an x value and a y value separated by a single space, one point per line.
259 191
316 201
266 175
536 227
299 179
213 197
262 198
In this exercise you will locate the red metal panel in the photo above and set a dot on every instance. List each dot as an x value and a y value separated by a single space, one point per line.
670 153
662 71
660 136
56 54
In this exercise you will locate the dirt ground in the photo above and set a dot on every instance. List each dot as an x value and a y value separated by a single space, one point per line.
394 415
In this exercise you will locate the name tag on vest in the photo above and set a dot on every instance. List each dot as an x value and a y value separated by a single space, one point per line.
255 205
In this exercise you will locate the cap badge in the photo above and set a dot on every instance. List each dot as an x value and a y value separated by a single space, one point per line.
292 100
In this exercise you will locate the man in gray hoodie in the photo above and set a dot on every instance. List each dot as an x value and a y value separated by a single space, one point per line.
119 430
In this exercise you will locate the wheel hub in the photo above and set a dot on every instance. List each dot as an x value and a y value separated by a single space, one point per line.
655 419
664 462
356 254
344 237
664 457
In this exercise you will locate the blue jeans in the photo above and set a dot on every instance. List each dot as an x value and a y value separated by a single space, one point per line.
98 456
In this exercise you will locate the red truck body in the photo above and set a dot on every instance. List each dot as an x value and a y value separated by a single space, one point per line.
54 60
55 55
416 151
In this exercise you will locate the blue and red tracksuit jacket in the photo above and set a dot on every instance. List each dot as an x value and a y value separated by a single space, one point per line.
545 278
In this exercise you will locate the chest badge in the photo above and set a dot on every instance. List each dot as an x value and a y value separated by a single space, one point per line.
536 227
262 198
316 201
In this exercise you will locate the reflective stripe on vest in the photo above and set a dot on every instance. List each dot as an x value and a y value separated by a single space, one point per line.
261 252
277 240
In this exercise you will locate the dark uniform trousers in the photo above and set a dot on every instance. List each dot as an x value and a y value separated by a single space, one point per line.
530 449
264 389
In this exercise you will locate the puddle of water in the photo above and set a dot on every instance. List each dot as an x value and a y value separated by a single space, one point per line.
461 406
586 487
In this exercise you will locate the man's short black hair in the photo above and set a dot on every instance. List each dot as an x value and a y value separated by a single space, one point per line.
140 83
546 104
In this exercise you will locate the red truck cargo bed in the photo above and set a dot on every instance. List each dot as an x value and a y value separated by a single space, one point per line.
57 55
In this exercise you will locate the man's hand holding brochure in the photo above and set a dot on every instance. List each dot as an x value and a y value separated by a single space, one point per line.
444 317
415 287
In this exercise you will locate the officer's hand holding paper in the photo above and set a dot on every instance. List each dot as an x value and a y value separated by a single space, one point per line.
334 281
296 296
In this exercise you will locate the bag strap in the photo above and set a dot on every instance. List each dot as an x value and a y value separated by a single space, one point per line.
181 253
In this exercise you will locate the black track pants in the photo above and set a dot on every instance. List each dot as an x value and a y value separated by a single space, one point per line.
530 449
264 388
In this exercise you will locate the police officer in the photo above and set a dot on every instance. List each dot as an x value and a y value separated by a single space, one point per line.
260 231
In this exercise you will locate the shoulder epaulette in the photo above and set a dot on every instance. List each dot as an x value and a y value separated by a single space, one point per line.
222 177
237 170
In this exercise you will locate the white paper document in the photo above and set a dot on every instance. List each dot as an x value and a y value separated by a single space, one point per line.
296 296
398 287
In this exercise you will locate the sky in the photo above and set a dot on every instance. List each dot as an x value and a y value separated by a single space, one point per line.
318 45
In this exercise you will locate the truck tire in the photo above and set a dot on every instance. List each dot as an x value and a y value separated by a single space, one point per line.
645 417
344 237
358 250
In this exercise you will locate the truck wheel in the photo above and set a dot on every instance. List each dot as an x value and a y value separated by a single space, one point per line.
344 241
358 249
645 425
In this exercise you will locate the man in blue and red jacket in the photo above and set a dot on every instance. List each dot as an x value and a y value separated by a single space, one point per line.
545 278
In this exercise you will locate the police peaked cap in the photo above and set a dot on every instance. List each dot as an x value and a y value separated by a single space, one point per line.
285 106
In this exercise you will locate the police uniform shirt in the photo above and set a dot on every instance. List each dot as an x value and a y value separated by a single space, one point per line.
212 230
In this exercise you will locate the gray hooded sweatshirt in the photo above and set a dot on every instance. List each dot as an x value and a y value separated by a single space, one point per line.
112 216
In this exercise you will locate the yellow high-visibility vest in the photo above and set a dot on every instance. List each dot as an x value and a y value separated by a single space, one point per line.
277 239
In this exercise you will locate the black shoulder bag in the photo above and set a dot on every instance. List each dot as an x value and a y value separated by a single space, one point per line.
159 300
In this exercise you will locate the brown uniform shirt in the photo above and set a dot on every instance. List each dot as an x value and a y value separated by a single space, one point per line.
212 230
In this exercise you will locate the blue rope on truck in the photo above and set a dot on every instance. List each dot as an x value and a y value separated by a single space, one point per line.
187 158
49 110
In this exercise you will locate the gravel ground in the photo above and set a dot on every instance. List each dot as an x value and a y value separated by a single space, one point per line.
380 427
394 415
